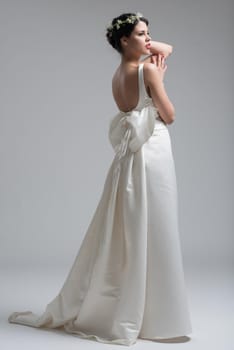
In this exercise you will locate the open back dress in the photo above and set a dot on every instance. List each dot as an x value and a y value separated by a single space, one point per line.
127 280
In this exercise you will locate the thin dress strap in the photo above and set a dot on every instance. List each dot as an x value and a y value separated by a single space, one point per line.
143 95
142 90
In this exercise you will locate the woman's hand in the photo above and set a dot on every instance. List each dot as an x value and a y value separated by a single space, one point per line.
160 62
157 47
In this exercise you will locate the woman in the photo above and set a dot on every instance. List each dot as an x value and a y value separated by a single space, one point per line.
127 280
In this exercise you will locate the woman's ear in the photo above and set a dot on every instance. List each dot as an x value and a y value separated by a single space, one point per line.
124 41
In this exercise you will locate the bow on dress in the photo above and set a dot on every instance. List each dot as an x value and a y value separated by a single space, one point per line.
131 129
128 131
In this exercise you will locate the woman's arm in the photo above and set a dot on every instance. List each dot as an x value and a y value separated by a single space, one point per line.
154 74
161 48
158 47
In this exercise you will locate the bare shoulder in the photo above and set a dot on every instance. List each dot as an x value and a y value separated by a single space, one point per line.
150 70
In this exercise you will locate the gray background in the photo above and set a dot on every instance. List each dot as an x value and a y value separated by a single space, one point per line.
55 108
56 104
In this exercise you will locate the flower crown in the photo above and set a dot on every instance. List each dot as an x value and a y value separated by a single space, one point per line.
119 22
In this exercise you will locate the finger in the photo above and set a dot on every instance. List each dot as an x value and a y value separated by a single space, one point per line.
163 60
158 59
153 59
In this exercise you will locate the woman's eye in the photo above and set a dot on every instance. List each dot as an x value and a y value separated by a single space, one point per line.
144 33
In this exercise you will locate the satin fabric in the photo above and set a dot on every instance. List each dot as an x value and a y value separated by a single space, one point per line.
127 281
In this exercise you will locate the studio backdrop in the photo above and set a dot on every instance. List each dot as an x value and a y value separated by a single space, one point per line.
56 105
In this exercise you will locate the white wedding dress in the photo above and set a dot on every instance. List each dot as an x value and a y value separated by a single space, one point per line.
127 281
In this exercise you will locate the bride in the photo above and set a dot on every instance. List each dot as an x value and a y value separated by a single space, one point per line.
132 44
127 280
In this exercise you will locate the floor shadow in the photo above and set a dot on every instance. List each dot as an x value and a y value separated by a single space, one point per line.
62 332
182 339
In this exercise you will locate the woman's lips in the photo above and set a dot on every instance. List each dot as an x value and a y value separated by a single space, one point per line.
147 46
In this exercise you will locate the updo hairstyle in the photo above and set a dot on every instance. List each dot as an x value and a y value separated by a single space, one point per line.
123 25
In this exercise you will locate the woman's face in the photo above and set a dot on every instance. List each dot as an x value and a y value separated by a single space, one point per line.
139 40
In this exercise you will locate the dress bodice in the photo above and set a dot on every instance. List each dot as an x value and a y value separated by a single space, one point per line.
144 99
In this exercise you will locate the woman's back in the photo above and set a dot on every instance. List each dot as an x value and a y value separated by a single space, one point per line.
125 87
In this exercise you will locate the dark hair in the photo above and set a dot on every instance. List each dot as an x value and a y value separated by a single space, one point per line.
116 31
